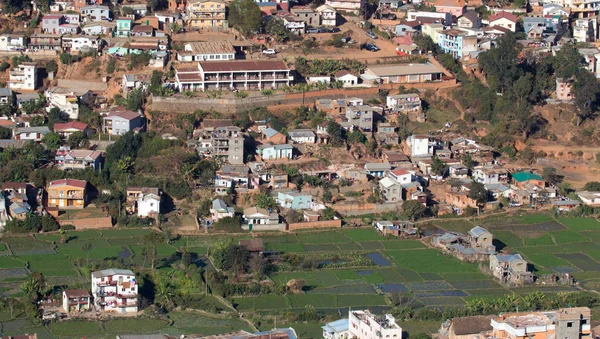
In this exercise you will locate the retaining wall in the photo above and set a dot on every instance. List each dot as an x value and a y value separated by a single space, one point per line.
89 223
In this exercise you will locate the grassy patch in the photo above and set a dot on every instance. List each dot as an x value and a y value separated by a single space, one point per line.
373 278
462 226
546 239
282 278
322 238
28 246
509 238
315 300
390 275
134 325
581 261
360 300
429 260
126 233
36 265
451 276
362 234
594 235
75 328
286 248
371 245
547 260
326 277
346 275
192 322
9 262
567 236
580 224
402 244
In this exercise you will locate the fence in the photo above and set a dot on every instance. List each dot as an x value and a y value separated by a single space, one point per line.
360 209
315 224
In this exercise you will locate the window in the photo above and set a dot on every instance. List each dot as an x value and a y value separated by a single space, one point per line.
569 324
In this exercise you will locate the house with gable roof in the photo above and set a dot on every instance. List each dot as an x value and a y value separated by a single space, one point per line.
120 121
67 193
504 20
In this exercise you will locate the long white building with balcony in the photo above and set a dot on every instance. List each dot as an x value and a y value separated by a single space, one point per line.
115 290
232 75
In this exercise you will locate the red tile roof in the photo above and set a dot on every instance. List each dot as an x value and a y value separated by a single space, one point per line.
68 182
78 125
400 171
7 123
503 14
77 293
122 112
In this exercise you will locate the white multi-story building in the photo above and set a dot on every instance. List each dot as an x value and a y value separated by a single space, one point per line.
585 29
365 325
12 42
419 145
66 100
23 76
328 15
115 290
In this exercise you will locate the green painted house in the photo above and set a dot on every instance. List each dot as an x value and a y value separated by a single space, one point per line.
123 28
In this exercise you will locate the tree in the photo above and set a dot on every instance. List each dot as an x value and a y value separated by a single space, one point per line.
5 133
51 66
425 43
413 209
329 214
89 116
257 266
567 61
245 16
49 224
263 200
478 193
500 63
52 141
327 196
336 133
276 28
67 59
587 94
357 137
467 161
75 139
111 65
593 186
55 116
550 176
438 167
134 100
152 240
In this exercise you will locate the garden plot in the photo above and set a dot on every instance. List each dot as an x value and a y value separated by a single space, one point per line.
494 292
451 276
547 226
12 273
317 301
378 259
437 294
193 322
322 248
134 325
29 246
593 235
264 302
429 260
581 261
443 301
371 245
580 224
402 244
126 233
430 276
543 240
347 289
429 286
361 234
360 300
9 262
285 247
567 236
323 238
475 284
392 288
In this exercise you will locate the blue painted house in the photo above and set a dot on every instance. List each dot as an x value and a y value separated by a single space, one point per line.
273 152
294 200
378 169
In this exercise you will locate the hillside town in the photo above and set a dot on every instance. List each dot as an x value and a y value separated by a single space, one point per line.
299 169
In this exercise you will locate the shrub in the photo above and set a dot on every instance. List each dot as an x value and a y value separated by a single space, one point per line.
241 94
110 67
4 66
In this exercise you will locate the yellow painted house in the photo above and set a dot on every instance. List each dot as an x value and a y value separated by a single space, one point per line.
67 193
206 13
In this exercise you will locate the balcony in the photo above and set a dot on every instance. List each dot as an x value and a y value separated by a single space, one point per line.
107 283
78 195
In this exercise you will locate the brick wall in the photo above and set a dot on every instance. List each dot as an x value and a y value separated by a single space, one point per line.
89 223
315 224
